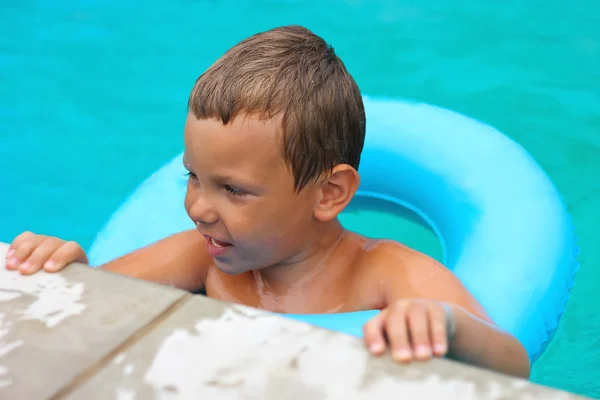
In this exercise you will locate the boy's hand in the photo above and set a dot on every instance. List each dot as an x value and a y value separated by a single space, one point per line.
414 329
30 253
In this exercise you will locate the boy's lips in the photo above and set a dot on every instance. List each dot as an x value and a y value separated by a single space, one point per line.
216 247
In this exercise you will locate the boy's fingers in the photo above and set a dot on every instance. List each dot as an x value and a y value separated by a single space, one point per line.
373 334
418 327
10 252
12 263
40 255
69 252
21 253
439 334
22 237
29 253
397 333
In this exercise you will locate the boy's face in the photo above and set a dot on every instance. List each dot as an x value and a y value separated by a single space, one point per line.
241 193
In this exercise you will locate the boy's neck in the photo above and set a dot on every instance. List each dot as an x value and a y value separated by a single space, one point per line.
305 266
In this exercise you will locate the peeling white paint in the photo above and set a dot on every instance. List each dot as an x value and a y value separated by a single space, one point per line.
119 359
5 348
247 355
6 296
128 370
4 380
254 354
519 383
125 394
54 299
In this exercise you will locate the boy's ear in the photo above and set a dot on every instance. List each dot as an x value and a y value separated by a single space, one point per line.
336 191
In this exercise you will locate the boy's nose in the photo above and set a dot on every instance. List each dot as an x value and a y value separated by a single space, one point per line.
202 212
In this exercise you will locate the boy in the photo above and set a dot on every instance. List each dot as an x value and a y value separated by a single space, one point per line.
273 139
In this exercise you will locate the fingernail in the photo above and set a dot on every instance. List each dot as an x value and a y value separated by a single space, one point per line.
440 348
12 262
402 354
49 264
25 266
423 351
10 253
376 348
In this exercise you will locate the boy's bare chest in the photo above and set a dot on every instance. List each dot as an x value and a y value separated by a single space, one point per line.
310 298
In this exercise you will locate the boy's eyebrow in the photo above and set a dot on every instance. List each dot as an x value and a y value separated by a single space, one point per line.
239 179
226 177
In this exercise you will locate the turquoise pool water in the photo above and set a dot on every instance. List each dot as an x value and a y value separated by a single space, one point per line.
93 95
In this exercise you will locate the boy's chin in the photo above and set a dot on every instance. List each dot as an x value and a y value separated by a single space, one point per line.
229 268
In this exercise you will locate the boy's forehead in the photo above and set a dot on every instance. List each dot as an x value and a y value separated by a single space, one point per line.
246 141
244 127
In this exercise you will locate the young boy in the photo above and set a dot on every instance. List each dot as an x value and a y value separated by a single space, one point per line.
273 140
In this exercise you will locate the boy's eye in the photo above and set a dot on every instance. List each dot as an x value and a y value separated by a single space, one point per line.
191 175
234 191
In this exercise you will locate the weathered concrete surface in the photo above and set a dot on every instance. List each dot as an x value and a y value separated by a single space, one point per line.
88 334
53 327
212 350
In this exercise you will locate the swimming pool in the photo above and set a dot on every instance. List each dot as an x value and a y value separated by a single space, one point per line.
93 94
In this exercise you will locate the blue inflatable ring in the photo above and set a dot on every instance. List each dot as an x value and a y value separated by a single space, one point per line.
502 224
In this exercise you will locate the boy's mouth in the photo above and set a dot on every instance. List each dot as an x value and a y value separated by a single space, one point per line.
216 247
217 243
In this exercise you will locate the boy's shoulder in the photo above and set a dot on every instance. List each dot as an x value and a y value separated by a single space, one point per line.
381 255
399 271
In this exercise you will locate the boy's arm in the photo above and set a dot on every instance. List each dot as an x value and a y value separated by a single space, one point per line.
476 340
180 260
481 343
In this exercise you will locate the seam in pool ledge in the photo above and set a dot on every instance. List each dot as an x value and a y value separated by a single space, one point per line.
90 372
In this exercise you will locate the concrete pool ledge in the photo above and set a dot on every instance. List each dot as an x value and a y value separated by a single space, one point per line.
91 334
